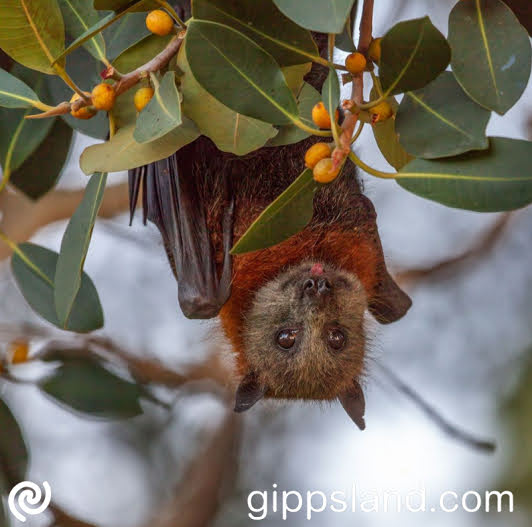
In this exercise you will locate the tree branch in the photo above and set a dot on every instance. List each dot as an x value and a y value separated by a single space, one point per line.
126 81
22 217
444 268
357 90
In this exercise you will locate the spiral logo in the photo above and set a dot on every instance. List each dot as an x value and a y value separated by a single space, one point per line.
26 499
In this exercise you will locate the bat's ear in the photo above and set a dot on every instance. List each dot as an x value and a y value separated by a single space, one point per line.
249 392
389 302
354 404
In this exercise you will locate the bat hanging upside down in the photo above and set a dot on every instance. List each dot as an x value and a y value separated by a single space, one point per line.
293 313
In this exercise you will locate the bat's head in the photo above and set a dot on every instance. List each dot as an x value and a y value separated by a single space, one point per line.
304 338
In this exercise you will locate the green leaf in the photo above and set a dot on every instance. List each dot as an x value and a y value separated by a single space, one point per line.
229 130
330 93
344 40
162 114
74 247
239 73
291 133
85 71
132 58
14 93
261 21
284 217
32 32
491 53
413 54
295 76
491 180
20 137
35 274
388 143
87 387
117 5
122 152
99 26
41 170
125 33
325 16
79 16
386 136
440 120
13 451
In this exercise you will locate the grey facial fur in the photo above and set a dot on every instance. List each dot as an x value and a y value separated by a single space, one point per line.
311 304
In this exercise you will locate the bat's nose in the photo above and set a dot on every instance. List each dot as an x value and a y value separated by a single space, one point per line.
313 287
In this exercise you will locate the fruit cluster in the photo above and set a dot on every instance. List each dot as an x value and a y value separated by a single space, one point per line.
103 95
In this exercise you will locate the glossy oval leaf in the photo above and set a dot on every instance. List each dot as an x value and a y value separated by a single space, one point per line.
440 120
162 114
125 33
287 215
291 133
79 16
74 248
229 130
345 40
413 54
35 277
239 73
330 93
41 170
388 142
285 41
32 32
491 180
386 136
491 53
20 137
14 93
101 25
325 16
13 450
295 76
86 386
122 152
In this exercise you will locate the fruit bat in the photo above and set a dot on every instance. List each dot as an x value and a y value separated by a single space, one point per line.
293 313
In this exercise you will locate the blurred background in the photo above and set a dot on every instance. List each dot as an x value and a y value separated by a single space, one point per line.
465 347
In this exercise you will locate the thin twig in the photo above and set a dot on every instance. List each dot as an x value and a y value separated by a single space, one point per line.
126 82
471 254
433 414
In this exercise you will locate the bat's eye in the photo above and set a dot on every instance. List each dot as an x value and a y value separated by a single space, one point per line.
336 339
286 338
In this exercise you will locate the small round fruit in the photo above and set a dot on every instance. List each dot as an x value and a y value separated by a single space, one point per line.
381 112
321 117
323 171
316 153
103 97
18 351
159 22
355 63
374 51
143 97
86 112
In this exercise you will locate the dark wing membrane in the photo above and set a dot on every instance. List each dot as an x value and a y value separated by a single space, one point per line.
174 203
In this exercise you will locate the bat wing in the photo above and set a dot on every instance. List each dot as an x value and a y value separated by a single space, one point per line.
173 202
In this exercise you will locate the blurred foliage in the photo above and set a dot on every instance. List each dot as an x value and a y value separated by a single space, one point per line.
516 415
